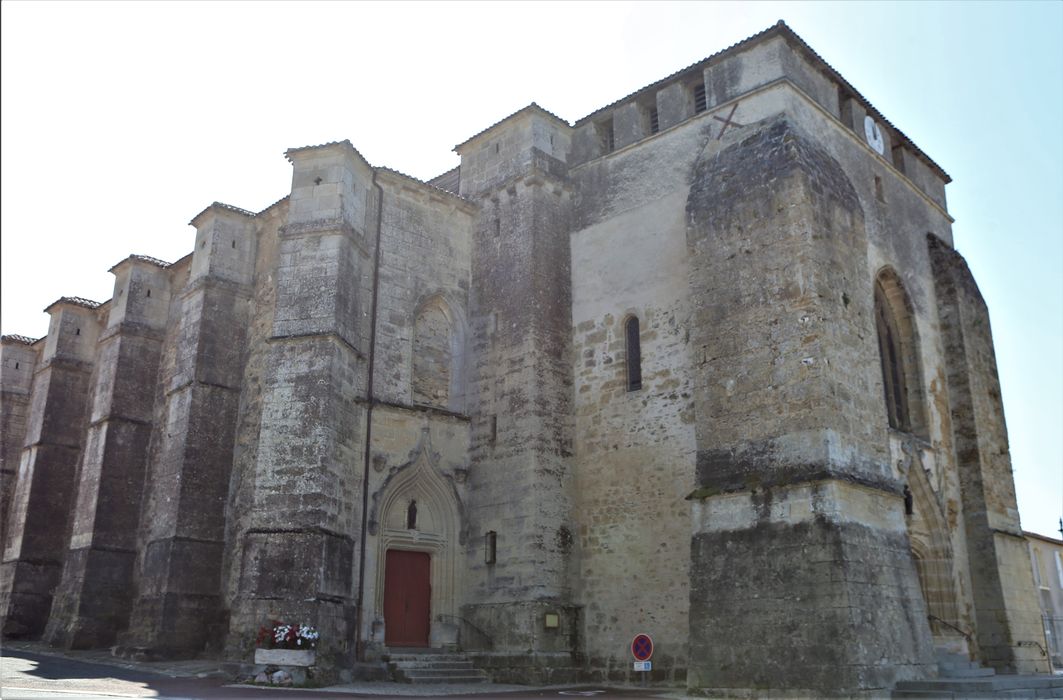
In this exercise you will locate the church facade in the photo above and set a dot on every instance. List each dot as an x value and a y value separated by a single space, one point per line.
704 364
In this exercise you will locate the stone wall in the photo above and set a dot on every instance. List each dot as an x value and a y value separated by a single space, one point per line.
424 269
420 427
634 455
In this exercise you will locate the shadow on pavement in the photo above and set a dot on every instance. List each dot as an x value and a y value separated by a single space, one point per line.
33 675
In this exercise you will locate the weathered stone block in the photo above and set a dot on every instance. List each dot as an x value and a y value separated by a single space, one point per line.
781 606
286 657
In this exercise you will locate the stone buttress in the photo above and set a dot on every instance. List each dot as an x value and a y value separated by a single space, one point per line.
1005 603
97 587
18 357
297 549
44 491
801 576
520 395
182 526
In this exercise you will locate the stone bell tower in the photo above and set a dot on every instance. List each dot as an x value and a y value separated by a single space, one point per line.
800 565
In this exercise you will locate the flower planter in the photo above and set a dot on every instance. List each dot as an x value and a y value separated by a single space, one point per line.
285 657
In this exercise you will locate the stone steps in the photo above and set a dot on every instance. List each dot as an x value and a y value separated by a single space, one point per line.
953 665
1041 686
434 667
963 669
959 677
999 686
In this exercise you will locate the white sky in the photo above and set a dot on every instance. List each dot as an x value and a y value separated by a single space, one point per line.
122 121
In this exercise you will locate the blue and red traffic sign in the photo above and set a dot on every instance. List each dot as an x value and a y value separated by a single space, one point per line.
642 647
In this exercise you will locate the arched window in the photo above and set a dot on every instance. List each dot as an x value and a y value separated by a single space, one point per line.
898 356
432 355
634 354
889 350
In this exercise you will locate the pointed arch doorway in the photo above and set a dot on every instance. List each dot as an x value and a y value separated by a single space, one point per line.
416 521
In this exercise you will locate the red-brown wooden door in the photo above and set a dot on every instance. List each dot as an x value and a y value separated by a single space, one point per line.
407 596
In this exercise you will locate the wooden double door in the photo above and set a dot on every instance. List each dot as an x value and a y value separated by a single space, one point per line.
407 598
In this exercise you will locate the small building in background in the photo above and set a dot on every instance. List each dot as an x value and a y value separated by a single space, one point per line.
1046 560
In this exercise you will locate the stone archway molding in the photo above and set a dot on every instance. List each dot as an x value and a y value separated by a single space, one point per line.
928 534
439 532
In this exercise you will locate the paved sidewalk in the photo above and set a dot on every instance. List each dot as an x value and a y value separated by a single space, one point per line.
425 689
224 670
189 668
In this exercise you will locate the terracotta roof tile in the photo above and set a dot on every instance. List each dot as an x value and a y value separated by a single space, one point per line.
422 182
238 210
733 48
222 205
533 107
23 339
143 258
786 31
76 301
452 176
282 199
148 259
780 28
344 142
1027 533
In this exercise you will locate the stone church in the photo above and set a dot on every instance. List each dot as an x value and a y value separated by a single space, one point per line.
704 365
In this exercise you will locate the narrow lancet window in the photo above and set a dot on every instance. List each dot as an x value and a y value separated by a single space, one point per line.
634 354
892 371
898 356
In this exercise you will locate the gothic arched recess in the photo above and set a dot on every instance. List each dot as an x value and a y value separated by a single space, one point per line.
438 355
929 535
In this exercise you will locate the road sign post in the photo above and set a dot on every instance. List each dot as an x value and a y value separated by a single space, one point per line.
642 650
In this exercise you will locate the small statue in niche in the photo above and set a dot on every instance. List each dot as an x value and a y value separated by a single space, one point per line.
411 516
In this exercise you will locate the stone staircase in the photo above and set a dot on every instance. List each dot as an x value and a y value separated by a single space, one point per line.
432 666
954 665
959 677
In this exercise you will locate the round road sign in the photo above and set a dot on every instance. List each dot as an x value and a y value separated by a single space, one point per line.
642 647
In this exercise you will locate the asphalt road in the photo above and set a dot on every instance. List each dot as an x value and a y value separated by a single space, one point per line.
25 675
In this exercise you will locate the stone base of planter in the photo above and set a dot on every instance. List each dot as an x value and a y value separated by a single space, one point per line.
285 657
